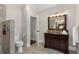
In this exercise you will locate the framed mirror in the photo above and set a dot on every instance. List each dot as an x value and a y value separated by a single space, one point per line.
57 23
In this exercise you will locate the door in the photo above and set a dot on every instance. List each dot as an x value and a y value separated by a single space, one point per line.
33 29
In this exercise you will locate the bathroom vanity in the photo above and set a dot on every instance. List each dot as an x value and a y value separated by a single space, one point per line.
57 41
57 36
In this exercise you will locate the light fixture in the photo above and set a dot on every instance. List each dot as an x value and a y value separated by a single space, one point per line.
57 14
61 14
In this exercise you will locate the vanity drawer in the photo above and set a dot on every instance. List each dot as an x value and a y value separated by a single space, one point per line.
51 36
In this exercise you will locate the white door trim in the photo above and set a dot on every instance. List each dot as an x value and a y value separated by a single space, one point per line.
37 29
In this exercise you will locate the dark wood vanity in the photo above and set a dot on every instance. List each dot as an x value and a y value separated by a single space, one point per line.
56 41
55 38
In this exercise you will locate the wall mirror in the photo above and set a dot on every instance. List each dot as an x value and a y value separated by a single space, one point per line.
57 22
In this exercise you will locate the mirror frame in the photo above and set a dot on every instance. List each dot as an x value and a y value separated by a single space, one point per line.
65 18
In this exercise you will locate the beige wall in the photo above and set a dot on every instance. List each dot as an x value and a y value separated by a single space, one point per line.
13 12
77 14
71 19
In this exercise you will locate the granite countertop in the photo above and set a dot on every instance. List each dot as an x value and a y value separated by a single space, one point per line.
56 32
59 33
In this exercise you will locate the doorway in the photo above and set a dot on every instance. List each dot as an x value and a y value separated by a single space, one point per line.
33 30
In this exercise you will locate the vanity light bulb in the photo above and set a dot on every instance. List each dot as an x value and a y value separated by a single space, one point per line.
50 16
57 14
54 15
62 14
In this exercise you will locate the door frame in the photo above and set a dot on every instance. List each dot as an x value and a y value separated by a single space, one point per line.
37 29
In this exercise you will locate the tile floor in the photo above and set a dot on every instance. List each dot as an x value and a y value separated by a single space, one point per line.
41 50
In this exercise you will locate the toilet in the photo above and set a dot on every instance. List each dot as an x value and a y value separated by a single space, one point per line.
18 44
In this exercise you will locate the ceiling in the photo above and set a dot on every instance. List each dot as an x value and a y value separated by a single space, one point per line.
41 7
38 7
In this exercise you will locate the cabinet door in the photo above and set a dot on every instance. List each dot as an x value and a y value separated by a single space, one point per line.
48 43
48 40
64 43
55 41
